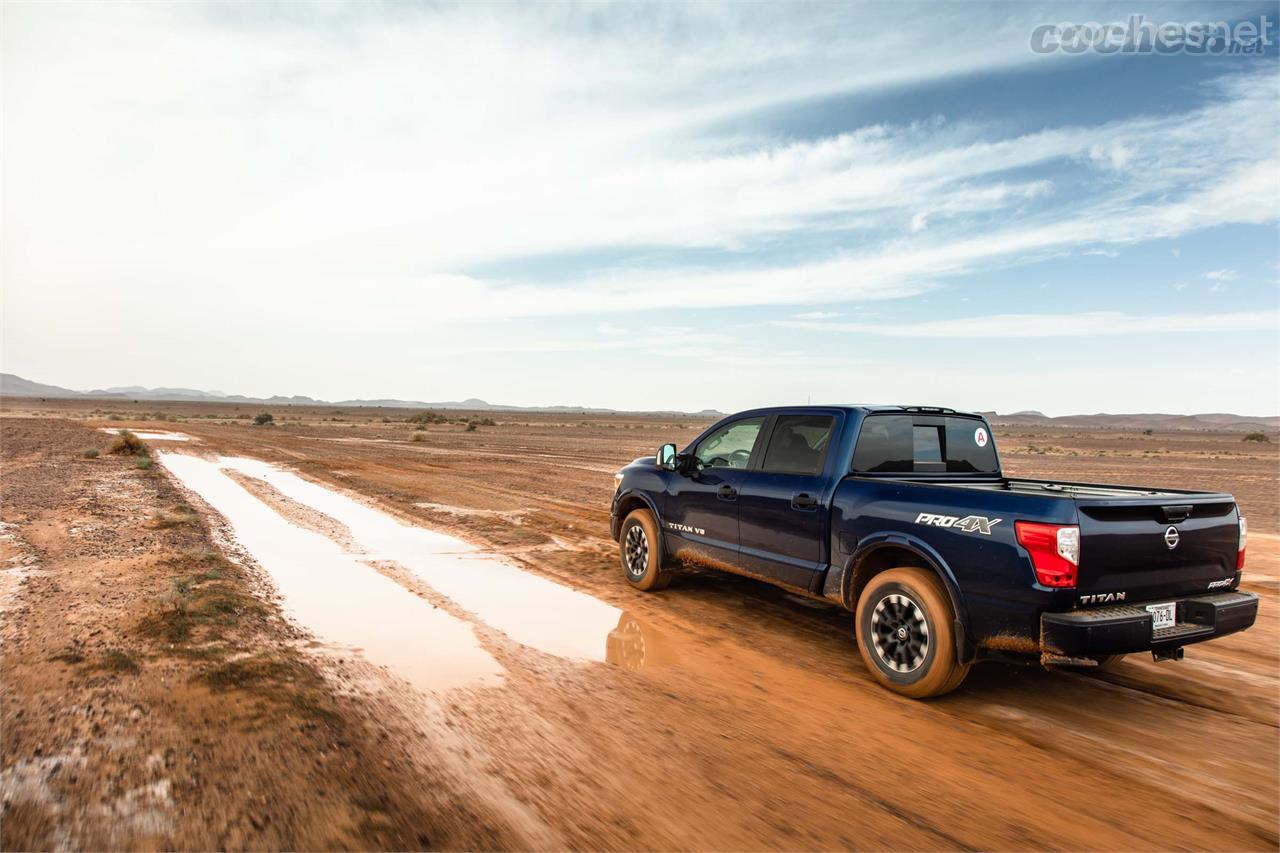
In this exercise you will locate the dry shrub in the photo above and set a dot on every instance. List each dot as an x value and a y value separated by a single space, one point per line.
118 660
180 514
127 442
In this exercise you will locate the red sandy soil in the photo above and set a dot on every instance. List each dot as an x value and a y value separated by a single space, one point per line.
731 715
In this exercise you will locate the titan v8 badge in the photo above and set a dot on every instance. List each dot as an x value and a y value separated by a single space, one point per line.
968 524
684 528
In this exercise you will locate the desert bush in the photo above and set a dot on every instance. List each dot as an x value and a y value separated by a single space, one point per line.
70 655
118 660
1148 432
127 442
419 436
264 419
179 514
1260 437
91 453
142 461
471 426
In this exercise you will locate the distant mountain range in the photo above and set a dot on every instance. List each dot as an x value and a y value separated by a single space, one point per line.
16 386
1212 421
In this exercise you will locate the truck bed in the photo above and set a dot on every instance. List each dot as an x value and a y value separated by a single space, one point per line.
1052 488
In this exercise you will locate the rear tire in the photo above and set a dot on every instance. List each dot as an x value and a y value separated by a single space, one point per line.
905 629
640 547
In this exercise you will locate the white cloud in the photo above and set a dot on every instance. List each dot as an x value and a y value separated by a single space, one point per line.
816 315
919 222
265 150
1085 324
1220 279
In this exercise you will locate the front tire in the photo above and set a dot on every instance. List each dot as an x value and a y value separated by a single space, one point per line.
905 629
640 547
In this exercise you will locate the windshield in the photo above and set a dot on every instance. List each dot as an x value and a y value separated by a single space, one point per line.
916 444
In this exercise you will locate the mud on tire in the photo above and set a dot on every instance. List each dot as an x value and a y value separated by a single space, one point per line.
905 631
640 549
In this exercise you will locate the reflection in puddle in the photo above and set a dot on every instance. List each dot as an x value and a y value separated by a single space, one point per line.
526 607
148 436
340 598
632 645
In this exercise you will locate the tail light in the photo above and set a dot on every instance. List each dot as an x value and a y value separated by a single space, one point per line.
1054 550
1244 536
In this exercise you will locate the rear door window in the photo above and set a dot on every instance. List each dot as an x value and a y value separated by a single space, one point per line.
906 444
798 444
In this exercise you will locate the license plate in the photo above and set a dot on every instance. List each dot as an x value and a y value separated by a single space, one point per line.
1163 615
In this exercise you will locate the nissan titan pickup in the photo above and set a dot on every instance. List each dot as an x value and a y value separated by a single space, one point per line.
902 516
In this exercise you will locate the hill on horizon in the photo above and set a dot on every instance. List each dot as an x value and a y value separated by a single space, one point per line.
16 386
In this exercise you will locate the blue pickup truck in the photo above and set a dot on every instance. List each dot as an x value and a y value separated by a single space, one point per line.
901 515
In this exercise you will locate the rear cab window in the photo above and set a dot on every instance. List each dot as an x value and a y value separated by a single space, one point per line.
924 444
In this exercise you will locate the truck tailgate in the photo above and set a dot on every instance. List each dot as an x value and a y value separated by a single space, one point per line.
1154 547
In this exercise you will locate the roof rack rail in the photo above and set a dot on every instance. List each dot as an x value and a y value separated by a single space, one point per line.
929 409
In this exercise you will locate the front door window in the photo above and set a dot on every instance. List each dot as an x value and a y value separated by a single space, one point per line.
730 446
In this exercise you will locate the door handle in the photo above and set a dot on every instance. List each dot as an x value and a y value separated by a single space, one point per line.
803 501
727 492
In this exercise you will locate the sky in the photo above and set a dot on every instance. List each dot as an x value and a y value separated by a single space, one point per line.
639 206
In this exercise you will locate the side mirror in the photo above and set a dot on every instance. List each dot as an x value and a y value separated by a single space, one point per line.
667 457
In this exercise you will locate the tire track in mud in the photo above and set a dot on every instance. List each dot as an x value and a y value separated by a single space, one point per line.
449 759
908 817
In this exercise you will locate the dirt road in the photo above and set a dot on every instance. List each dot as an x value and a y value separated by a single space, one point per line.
719 714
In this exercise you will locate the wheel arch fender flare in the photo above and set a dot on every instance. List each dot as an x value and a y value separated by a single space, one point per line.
633 499
930 559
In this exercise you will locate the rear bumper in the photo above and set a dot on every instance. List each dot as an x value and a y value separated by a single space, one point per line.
1120 629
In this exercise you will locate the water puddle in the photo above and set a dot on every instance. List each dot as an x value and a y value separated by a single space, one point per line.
529 609
514 516
148 436
17 562
338 596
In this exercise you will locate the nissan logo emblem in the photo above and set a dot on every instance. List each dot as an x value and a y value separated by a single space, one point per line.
1171 538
